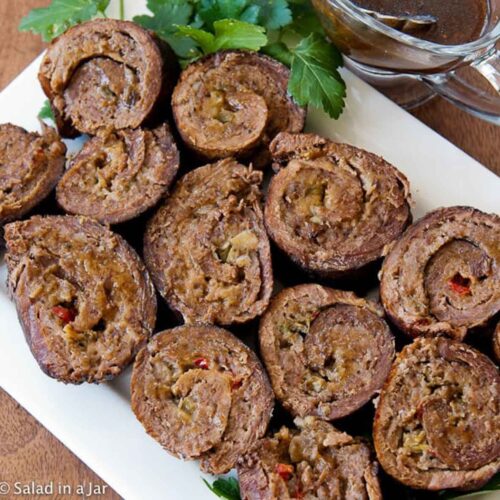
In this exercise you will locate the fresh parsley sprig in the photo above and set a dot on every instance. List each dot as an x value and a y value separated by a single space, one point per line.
314 79
45 112
166 17
225 488
60 15
228 34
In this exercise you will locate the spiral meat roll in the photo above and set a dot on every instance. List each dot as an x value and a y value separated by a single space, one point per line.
333 208
437 424
233 103
201 393
84 299
443 275
315 461
105 75
30 166
207 249
116 177
327 352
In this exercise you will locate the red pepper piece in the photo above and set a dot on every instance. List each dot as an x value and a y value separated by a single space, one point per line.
201 363
236 383
284 471
66 314
460 285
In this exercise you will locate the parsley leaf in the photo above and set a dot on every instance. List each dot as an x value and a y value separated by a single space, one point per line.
214 10
55 19
305 21
228 34
46 112
274 14
167 14
280 52
225 488
314 78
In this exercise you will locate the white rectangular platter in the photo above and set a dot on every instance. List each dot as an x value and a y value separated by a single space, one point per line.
96 422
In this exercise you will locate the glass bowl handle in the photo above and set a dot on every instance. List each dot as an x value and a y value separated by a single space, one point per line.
464 95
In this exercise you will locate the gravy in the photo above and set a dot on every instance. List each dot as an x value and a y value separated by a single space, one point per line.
458 21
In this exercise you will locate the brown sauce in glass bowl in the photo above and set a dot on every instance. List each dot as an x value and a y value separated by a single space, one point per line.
458 21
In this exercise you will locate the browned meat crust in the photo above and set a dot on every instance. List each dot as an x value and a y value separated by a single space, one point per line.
84 299
496 342
333 208
437 424
201 393
443 275
31 165
105 75
207 249
117 177
327 352
315 462
233 103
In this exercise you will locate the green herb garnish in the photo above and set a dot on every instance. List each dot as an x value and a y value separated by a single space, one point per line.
228 34
225 488
45 112
210 11
314 77
52 21
166 16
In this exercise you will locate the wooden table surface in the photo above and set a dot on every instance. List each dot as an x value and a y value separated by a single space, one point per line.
28 452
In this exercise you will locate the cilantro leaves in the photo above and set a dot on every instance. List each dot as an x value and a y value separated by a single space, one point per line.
55 19
197 27
225 488
314 78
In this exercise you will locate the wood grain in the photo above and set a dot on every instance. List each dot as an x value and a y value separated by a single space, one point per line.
28 452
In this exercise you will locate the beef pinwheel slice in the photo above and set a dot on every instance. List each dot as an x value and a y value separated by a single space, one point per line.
30 166
437 424
443 275
332 208
83 297
202 394
232 104
315 461
115 178
327 352
105 75
207 249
